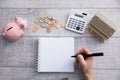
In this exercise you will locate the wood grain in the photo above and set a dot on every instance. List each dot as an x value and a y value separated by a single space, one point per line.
23 53
10 73
8 15
59 4
18 59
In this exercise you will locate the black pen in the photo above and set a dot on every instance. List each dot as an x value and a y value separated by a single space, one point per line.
90 55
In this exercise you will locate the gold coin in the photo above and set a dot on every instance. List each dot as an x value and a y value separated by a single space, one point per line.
36 21
63 24
45 16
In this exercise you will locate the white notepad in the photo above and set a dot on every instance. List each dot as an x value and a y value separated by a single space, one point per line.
54 54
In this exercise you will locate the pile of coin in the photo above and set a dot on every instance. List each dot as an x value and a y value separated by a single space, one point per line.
46 22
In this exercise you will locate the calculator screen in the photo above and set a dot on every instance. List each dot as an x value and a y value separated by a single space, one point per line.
79 15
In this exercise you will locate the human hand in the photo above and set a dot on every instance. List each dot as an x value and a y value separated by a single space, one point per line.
85 64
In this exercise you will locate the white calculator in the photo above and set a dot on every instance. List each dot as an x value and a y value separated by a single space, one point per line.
77 21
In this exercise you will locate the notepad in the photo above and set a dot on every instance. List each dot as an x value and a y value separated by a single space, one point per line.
54 54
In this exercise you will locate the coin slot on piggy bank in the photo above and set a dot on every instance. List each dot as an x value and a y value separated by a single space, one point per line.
9 28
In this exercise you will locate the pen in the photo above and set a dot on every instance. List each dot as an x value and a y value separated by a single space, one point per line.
90 55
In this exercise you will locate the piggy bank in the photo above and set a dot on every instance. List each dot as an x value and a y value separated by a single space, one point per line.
15 29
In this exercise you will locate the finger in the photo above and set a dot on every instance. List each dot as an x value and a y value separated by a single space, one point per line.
80 51
76 61
90 59
83 50
81 60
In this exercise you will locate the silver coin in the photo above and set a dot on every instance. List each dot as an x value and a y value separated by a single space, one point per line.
43 25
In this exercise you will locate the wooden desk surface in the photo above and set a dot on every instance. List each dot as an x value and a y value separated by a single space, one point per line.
18 59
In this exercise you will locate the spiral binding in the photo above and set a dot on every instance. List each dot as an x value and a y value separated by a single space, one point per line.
38 61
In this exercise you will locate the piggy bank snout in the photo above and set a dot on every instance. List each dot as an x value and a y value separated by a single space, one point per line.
12 34
3 34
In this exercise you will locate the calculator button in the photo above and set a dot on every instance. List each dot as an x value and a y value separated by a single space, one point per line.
68 26
76 21
81 30
73 22
82 27
69 22
73 27
77 28
83 23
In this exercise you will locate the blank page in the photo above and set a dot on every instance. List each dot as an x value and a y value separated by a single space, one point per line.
54 54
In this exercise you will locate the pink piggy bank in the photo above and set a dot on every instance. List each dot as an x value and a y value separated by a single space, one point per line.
15 29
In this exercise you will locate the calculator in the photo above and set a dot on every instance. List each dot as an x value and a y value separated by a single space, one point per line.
77 21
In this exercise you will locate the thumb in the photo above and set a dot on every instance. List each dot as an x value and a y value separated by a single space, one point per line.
81 60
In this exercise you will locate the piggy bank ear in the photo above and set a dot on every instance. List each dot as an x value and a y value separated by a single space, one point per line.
16 18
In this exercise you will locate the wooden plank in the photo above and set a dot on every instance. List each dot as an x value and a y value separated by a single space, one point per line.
23 53
8 15
59 4
13 73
